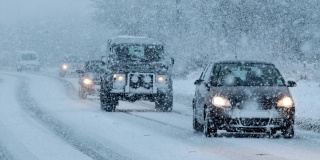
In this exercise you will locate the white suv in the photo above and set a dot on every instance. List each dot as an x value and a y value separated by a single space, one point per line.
28 60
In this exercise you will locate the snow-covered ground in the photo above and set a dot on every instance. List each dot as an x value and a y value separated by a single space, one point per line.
41 117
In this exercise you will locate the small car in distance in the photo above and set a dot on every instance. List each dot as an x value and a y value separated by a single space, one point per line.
69 65
28 60
89 78
243 96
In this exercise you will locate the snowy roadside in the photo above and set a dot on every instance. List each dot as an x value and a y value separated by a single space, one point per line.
306 96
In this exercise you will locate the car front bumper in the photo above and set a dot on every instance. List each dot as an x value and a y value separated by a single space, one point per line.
251 121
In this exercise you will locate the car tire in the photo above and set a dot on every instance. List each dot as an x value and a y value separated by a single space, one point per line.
164 103
209 129
62 74
288 132
196 125
108 102
82 93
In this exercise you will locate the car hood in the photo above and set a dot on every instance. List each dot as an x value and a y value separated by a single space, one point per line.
142 67
29 62
73 65
260 97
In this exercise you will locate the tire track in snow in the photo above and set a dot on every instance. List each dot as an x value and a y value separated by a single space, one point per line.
12 145
4 153
91 148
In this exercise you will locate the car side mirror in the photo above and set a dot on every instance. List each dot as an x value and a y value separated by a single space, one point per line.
198 81
104 59
80 71
172 61
208 85
292 84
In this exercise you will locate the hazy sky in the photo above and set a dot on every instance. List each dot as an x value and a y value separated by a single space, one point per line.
13 11
53 28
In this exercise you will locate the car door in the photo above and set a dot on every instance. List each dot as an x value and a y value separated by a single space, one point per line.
201 92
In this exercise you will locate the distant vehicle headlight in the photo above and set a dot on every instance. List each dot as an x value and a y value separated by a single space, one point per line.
161 79
87 81
219 101
285 102
64 67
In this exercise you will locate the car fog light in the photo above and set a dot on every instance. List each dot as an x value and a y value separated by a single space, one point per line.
147 79
134 79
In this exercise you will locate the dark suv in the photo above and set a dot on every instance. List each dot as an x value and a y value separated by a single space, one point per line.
89 78
243 96
136 69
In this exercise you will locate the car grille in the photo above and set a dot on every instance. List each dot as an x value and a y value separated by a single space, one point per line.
141 80
260 105
254 121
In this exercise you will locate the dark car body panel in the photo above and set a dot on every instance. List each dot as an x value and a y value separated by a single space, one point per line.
253 108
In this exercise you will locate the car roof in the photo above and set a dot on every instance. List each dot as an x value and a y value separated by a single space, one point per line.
94 60
133 40
26 52
243 62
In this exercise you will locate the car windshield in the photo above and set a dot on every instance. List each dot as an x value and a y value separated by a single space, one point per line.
147 53
28 57
94 66
247 75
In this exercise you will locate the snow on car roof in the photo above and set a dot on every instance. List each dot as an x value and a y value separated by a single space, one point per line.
26 52
243 62
133 40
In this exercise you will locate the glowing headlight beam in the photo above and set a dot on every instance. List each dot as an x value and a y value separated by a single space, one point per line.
161 79
87 81
64 67
220 102
119 78
285 102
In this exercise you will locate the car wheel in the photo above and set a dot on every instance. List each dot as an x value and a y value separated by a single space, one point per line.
164 103
108 102
288 132
196 125
82 93
209 129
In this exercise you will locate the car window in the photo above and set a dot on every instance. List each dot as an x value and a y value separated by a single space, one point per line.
207 73
94 66
203 72
247 75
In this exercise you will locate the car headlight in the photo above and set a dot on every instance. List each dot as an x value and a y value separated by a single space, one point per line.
119 78
87 81
161 79
220 102
285 102
64 67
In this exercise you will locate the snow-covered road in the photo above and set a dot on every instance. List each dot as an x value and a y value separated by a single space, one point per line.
42 118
